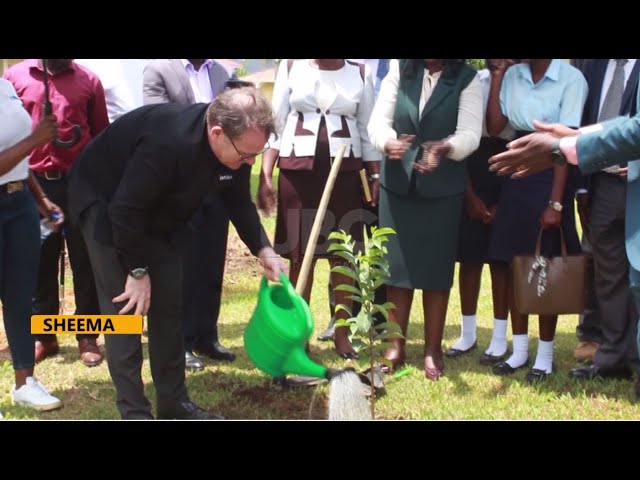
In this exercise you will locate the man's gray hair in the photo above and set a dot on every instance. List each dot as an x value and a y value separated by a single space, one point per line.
237 110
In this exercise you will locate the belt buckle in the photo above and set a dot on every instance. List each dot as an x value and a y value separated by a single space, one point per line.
13 187
53 176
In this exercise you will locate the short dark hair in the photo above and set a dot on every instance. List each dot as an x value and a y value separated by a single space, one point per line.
237 110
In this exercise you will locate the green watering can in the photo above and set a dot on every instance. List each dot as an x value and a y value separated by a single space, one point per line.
282 323
278 331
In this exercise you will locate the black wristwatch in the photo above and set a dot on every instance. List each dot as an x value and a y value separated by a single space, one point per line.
139 273
557 157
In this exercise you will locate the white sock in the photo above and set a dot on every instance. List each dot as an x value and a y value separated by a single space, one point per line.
544 357
498 345
520 351
468 333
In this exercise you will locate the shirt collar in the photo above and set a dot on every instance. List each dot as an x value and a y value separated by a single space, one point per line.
189 66
552 73
35 63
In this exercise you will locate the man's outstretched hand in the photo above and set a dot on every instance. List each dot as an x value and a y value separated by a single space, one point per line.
530 154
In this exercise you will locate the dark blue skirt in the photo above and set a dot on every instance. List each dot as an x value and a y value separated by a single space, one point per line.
517 223
475 236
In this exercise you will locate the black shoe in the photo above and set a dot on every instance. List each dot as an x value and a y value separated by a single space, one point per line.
503 368
594 371
535 375
187 411
191 362
215 351
327 334
486 359
636 389
454 352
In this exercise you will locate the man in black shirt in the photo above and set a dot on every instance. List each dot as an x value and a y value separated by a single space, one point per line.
132 191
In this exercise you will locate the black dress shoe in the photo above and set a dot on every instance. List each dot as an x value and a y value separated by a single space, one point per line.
215 351
454 352
191 362
594 371
486 359
535 375
187 411
636 389
327 334
503 368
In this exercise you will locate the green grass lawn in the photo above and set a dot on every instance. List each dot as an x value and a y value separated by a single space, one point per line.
239 391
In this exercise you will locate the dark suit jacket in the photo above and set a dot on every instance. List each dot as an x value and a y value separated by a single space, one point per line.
151 169
594 71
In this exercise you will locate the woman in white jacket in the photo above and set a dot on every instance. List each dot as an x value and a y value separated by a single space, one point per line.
320 104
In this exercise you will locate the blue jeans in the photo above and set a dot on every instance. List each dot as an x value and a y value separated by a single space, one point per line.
634 283
19 259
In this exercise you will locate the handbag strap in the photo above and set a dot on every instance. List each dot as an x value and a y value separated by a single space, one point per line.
563 245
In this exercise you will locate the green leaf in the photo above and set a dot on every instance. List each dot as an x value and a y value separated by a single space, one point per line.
341 322
388 335
344 307
384 231
363 321
382 310
346 255
345 271
355 298
347 288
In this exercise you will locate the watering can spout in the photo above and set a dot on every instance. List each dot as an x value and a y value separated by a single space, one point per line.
278 331
299 363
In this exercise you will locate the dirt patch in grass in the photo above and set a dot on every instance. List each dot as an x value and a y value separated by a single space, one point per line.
246 401
239 259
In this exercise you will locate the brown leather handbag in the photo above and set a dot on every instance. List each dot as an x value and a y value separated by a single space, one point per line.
549 286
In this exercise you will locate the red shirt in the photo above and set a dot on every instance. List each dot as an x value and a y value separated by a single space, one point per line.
77 98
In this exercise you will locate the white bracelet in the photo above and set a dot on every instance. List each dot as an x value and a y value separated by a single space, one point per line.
374 176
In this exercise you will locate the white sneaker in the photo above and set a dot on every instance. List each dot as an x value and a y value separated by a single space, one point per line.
33 394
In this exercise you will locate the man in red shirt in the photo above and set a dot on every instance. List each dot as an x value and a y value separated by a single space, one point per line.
77 98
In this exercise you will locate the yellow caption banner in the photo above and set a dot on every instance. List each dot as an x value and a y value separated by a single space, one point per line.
72 324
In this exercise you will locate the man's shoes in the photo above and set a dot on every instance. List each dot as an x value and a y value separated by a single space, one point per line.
46 348
215 351
187 411
594 371
33 394
454 352
90 353
586 351
191 362
636 389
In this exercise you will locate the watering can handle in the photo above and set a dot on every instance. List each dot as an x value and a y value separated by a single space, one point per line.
286 283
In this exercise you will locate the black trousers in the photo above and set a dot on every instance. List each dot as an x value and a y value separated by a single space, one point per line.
124 352
589 327
203 261
617 307
46 300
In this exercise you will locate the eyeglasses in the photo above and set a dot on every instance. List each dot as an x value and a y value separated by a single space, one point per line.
244 156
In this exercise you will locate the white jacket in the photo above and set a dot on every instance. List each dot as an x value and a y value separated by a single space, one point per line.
351 98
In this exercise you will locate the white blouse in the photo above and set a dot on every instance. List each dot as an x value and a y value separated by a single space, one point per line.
468 130
312 94
15 125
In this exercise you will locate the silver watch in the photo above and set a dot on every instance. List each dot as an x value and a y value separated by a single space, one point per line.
139 273
557 206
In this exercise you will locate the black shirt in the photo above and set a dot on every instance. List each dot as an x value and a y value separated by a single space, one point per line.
151 169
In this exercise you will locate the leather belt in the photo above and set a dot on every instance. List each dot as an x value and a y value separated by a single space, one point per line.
12 187
50 174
